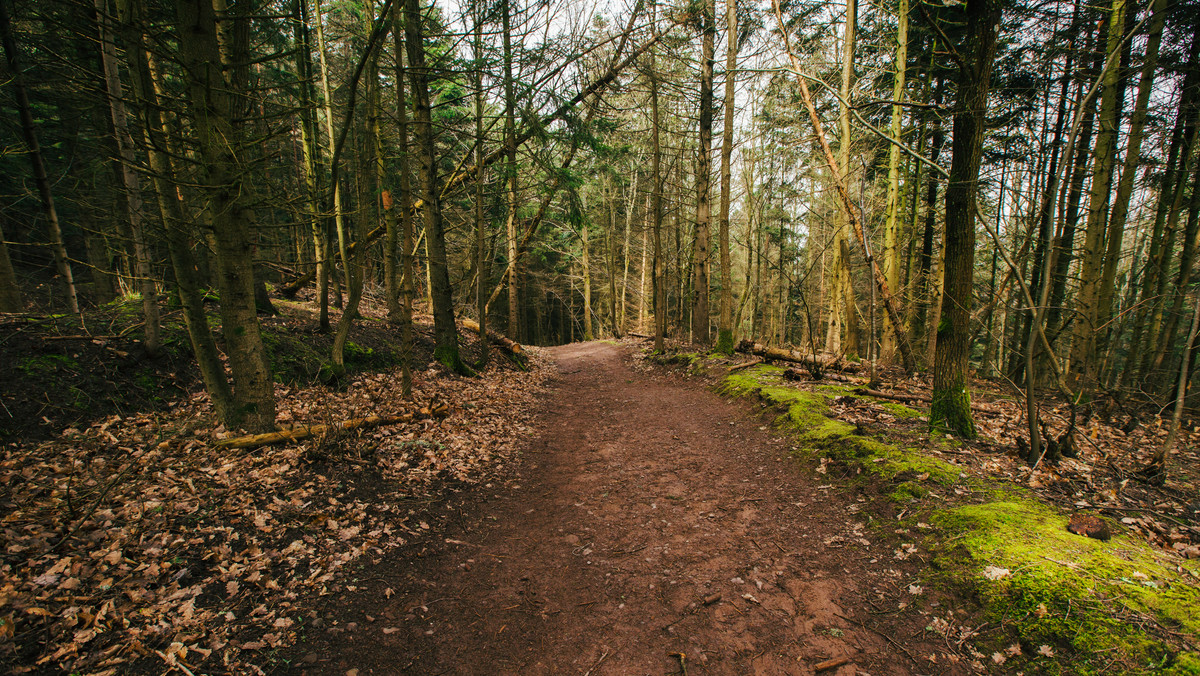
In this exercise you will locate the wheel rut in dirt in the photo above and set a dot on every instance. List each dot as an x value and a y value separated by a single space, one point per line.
653 526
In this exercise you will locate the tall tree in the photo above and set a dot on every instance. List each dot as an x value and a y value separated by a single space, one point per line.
842 335
951 407
891 259
1083 347
702 234
217 114
445 333
725 317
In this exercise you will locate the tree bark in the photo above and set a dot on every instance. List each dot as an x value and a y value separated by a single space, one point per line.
701 236
444 332
891 262
725 315
10 291
1083 346
951 407
211 98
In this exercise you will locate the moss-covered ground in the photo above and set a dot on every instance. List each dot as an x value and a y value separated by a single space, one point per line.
1117 606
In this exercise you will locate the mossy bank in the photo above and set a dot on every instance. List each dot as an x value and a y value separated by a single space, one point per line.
1117 606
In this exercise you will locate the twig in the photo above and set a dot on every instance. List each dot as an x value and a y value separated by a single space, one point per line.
602 658
745 365
889 638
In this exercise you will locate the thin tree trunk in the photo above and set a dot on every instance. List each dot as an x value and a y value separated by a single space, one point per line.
1120 208
510 174
405 207
57 245
701 237
891 263
1158 464
482 271
844 310
445 332
152 342
330 134
1083 347
10 291
725 316
656 188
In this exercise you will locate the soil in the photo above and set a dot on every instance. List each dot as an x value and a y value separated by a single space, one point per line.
652 527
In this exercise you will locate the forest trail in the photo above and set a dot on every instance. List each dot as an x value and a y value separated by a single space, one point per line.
640 498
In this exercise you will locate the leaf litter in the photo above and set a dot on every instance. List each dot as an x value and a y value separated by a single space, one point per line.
132 544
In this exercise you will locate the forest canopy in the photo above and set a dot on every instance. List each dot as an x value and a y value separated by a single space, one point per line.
1002 189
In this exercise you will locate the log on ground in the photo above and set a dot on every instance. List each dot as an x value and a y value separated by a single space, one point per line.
511 346
300 433
822 362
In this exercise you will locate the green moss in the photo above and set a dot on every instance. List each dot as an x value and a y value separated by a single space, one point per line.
724 342
45 363
900 410
1069 591
1086 599
908 491
807 416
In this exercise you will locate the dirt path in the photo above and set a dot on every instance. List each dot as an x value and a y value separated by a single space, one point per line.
640 496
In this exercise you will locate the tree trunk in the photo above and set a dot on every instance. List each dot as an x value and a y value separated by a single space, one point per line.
211 98
951 407
843 316
130 182
445 333
57 245
891 263
1120 208
10 291
308 143
481 258
1083 346
703 233
330 133
659 282
510 174
725 316
922 288
405 207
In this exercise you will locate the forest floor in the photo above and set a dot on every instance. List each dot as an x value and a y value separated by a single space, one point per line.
652 527
603 511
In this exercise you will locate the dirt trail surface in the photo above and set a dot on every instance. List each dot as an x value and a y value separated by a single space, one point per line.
651 526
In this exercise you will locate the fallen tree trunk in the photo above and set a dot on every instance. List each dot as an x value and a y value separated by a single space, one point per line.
780 354
921 398
511 346
293 287
300 433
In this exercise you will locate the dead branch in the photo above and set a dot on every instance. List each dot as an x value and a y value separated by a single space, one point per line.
299 433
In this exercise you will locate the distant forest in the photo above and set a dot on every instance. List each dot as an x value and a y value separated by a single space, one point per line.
1006 190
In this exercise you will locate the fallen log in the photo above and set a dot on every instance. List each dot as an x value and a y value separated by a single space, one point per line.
829 363
746 365
512 346
293 287
300 433
921 398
